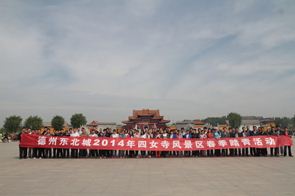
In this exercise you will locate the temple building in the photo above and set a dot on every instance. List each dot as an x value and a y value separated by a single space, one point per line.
145 118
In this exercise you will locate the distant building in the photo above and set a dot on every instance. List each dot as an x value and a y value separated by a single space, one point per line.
258 121
145 118
198 124
172 127
222 126
268 122
190 124
250 121
185 124
102 125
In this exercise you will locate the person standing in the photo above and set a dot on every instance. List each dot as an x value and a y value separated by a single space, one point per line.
217 135
23 151
289 146
232 134
263 151
224 134
66 151
254 132
115 135
210 136
271 132
74 151
282 133
203 136
83 152
245 133
93 152
238 151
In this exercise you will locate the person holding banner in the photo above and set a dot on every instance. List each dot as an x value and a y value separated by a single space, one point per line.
74 151
93 153
115 135
271 132
217 135
23 151
156 142
289 146
232 134
282 132
245 133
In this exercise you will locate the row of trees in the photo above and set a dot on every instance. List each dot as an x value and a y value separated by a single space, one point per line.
14 123
235 120
286 122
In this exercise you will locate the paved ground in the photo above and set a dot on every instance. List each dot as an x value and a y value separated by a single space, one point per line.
172 176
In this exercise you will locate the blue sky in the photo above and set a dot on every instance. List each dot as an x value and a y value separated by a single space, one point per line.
190 59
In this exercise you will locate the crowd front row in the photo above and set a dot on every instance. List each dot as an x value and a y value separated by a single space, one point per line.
201 134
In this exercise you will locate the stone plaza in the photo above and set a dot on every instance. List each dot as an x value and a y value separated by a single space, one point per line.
156 176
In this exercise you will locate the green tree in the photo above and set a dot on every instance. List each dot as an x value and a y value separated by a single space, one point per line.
1 130
77 120
57 123
214 121
283 122
12 124
33 122
293 122
234 120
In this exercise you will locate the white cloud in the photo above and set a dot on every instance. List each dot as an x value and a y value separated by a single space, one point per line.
105 58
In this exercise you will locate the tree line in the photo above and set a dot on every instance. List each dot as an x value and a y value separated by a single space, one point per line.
14 123
235 120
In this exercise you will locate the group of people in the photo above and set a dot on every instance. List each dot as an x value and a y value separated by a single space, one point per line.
157 133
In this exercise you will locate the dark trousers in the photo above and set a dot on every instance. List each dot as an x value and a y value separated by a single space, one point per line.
186 153
224 152
289 151
252 151
83 153
217 152
41 153
277 151
141 152
48 153
93 153
65 153
54 152
34 152
57 153
74 153
231 152
210 153
195 153
23 152
239 151
274 151
245 152
264 151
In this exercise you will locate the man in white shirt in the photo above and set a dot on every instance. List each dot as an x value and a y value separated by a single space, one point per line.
74 152
115 135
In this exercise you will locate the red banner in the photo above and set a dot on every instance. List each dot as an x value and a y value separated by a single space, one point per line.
39 141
